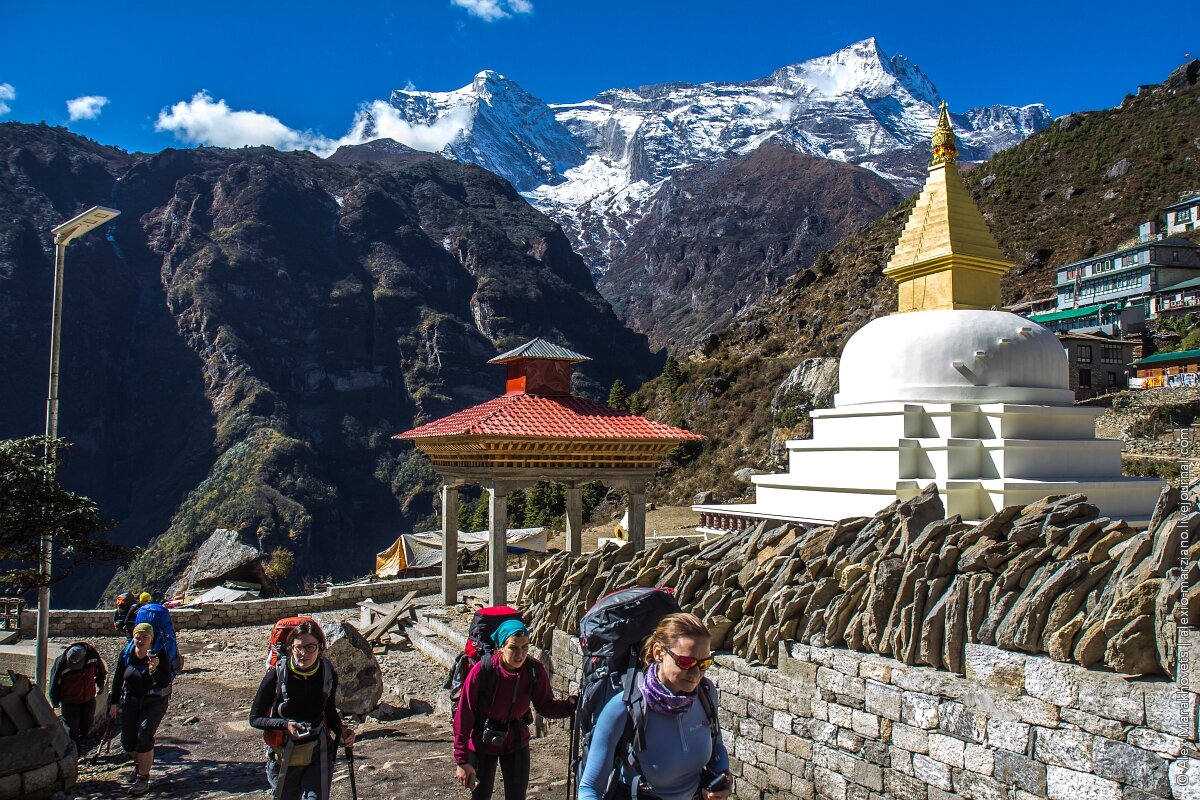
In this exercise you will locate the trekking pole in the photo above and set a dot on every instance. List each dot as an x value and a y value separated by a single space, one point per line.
350 758
105 740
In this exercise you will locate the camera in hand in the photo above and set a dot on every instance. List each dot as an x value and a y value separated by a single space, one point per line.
717 782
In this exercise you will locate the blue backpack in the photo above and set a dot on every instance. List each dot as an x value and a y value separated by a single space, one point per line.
164 630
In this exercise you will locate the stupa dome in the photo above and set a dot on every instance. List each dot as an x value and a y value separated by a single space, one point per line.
954 356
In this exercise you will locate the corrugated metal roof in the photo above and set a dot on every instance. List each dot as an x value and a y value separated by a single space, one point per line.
1189 202
1158 358
550 417
1072 314
540 348
1188 284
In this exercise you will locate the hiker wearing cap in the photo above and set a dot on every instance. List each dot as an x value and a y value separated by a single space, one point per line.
76 678
491 722
140 689
294 708
679 751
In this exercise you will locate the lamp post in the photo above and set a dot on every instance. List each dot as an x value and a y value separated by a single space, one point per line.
63 235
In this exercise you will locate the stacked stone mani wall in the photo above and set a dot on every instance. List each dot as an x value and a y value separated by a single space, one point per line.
840 725
256 612
1051 577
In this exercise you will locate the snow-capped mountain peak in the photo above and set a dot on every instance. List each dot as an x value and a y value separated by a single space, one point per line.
592 165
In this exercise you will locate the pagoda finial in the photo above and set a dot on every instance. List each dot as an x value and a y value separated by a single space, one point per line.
945 149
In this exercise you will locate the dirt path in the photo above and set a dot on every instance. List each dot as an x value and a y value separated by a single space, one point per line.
206 749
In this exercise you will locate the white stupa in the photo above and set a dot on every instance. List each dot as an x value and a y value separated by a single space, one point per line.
949 392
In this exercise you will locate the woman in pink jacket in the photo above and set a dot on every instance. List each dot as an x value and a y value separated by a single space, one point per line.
491 723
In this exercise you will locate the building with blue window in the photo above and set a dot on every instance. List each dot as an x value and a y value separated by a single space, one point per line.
1183 216
1128 276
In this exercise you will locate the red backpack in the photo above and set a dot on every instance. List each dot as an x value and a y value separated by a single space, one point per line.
484 623
278 639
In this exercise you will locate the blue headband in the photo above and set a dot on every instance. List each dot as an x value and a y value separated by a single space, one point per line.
508 629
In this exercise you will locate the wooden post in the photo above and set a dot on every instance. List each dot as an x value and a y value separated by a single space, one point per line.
574 519
449 544
637 515
498 546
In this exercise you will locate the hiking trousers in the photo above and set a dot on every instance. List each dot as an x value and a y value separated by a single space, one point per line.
302 783
515 768
140 718
78 717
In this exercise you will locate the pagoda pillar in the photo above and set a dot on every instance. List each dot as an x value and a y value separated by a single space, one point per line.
637 515
450 544
574 519
498 546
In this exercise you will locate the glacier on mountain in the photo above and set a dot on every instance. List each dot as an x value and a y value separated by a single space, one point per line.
592 165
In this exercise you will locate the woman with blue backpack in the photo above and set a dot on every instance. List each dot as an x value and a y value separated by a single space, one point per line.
140 690
660 739
491 722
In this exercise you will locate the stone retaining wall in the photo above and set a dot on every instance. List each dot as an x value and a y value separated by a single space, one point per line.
64 622
842 725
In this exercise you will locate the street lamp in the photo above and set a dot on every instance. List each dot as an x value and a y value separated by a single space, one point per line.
63 235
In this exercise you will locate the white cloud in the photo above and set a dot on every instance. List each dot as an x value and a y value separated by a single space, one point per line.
7 92
382 121
86 107
202 120
492 10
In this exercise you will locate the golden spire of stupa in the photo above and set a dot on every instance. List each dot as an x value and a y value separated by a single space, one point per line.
946 257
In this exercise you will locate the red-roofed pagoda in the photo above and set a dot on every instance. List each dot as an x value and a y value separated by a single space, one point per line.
539 431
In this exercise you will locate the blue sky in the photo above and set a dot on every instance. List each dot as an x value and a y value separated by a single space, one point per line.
306 68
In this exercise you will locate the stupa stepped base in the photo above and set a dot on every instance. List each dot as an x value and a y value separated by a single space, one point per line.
783 499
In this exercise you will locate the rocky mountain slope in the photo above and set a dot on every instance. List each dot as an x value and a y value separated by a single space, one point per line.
1075 189
726 235
257 324
595 165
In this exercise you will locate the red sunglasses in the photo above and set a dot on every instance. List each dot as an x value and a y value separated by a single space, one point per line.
686 663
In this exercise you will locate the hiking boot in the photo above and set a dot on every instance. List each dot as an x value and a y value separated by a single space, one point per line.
140 785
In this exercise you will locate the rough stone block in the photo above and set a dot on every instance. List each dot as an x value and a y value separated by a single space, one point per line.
774 697
773 738
1113 698
884 700
1184 776
973 786
819 709
928 680
1166 745
1170 709
934 773
755 777
964 723
1051 681
782 721
865 724
829 784
1007 735
10 787
750 729
977 758
946 749
800 748
42 780
803 789
913 740
919 710
1098 726
759 711
1016 770
1067 784
849 741
1130 765
901 760
840 715
995 669
903 787
1064 748
822 732
876 669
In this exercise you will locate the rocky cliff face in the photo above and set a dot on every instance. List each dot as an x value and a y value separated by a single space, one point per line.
257 325
716 239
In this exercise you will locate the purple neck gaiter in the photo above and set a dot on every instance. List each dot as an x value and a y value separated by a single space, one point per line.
661 699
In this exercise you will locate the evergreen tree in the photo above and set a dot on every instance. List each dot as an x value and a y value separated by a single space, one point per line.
618 398
672 374
823 265
479 520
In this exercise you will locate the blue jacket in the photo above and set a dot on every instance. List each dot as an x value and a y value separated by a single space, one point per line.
677 749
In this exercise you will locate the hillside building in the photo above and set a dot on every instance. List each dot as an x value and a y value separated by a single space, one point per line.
1183 216
1181 368
1098 364
947 391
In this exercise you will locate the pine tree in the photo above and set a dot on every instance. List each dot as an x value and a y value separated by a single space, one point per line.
618 398
672 374
823 265
479 520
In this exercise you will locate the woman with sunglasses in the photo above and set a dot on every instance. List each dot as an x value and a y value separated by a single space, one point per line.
683 755
294 707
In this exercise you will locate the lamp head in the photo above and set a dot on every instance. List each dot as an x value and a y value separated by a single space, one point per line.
81 224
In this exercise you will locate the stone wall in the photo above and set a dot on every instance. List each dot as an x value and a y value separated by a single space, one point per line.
98 622
842 725
37 757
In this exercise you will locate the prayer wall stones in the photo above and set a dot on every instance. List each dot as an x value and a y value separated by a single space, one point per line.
1052 577
37 757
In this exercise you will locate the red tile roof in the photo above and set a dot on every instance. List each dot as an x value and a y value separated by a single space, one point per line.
550 417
